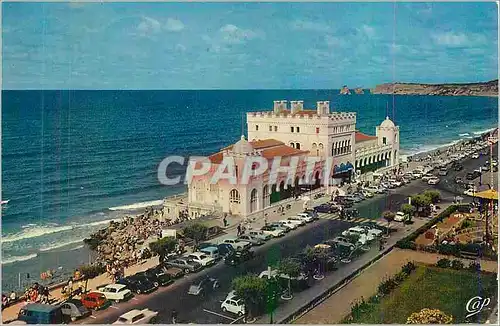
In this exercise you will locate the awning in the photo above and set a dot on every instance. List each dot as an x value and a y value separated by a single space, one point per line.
490 194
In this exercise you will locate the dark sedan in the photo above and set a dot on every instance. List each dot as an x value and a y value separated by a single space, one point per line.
325 208
138 284
158 276
239 257
203 286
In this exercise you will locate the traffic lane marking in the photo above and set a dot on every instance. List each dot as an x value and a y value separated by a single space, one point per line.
114 307
92 316
217 314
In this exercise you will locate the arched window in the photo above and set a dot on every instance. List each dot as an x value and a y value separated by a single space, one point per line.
297 145
265 196
292 145
234 196
314 145
253 200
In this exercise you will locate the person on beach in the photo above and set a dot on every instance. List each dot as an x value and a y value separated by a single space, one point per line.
12 297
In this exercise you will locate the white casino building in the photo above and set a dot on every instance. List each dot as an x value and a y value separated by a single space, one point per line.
290 132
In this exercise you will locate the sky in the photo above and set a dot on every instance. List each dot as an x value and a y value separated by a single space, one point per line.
245 45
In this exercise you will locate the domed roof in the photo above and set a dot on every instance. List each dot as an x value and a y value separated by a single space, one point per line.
242 146
387 123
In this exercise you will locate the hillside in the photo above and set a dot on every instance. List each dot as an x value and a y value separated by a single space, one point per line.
489 88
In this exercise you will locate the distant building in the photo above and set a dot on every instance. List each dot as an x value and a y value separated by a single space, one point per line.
292 132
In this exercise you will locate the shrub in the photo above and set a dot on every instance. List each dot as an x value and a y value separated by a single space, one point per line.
473 266
443 263
406 244
457 264
400 277
386 286
448 249
433 195
91 271
408 268
429 316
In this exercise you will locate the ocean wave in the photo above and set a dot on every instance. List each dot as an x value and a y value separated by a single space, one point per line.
429 148
481 132
14 259
39 231
137 205
76 248
464 134
60 245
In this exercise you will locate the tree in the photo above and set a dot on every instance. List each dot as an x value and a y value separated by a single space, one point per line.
291 268
252 289
163 247
389 217
196 231
408 210
433 195
421 202
315 258
429 316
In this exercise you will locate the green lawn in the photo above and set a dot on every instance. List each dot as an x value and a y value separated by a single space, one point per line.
435 288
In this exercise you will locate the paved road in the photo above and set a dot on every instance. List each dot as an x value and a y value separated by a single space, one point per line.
193 309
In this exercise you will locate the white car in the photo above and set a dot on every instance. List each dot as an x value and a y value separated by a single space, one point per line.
291 224
362 233
475 155
299 220
237 244
417 174
400 217
367 194
272 231
115 292
427 177
136 316
233 305
374 232
305 217
258 234
201 258
433 181
395 182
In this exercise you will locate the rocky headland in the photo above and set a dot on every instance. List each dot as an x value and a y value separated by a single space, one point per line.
489 88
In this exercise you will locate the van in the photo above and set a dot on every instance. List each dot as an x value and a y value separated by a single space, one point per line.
36 313
212 252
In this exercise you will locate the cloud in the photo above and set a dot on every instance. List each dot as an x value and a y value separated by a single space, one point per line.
304 25
174 25
148 26
453 39
232 34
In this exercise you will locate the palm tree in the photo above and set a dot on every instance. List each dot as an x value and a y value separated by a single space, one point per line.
389 217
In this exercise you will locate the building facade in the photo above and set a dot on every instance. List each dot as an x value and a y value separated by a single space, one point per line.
291 132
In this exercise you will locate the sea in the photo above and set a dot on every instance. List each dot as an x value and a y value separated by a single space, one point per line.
74 160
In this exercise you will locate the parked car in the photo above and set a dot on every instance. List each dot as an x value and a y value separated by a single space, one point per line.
115 292
458 167
281 225
301 219
158 276
135 316
273 231
485 168
325 208
95 301
362 233
311 212
223 249
259 234
475 155
234 305
187 265
201 258
400 217
427 176
433 181
340 241
237 244
469 192
36 313
74 309
374 225
375 232
289 224
459 180
203 286
138 284
253 240
367 194
443 172
173 272
238 257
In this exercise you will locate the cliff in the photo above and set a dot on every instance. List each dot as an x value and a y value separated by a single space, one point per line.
473 89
